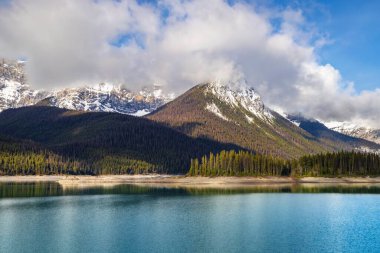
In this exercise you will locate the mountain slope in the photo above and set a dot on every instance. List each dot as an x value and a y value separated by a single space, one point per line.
354 130
332 137
236 115
106 139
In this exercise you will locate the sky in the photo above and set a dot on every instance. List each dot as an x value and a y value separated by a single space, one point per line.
318 58
353 32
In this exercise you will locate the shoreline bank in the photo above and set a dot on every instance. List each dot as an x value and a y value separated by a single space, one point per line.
184 181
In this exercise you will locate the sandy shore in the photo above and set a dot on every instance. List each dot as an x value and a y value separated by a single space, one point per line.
173 180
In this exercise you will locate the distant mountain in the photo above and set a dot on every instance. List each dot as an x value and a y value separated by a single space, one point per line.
354 130
109 98
347 140
226 112
231 112
14 92
103 97
112 142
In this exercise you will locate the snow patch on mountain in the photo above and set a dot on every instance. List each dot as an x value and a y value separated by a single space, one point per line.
105 88
295 123
239 95
341 125
249 119
294 119
355 130
367 150
215 110
10 90
141 113
14 92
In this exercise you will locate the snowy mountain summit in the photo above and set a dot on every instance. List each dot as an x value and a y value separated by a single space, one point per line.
105 97
238 94
14 92
355 130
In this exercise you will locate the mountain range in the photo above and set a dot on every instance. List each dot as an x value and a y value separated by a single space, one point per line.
355 130
103 97
90 125
330 135
108 97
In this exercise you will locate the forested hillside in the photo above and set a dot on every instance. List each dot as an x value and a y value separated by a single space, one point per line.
43 140
46 140
191 132
239 116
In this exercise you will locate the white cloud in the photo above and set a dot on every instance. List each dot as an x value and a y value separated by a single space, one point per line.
67 42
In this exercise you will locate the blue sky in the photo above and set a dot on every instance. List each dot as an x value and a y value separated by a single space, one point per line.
353 29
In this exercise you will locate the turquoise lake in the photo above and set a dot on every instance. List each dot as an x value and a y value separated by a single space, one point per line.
44 217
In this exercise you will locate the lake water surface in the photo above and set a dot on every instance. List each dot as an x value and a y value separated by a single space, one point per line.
44 217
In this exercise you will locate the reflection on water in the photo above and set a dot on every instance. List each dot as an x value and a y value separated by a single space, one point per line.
40 189
132 218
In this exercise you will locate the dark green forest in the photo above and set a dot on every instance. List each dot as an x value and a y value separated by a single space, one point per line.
49 140
28 158
244 163
42 140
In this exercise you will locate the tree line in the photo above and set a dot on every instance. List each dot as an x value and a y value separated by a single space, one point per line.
30 158
244 163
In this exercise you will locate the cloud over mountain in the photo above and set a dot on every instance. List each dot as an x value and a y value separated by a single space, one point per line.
179 44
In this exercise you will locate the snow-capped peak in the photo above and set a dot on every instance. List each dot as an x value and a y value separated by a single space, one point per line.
14 92
105 87
355 130
106 97
157 93
342 125
239 94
